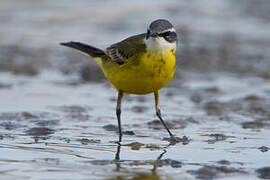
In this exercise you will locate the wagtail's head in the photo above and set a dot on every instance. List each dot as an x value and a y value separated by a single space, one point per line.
161 36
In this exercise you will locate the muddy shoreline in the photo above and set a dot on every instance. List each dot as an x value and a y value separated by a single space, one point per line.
57 111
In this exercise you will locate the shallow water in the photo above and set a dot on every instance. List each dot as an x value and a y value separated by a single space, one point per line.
57 113
50 128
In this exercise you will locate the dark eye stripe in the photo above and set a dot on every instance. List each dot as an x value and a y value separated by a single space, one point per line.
167 33
172 37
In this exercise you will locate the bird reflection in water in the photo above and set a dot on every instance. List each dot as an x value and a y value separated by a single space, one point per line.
143 175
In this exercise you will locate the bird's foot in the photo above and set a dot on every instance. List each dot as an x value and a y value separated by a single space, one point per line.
174 140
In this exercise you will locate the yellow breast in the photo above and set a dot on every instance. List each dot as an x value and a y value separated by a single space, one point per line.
141 74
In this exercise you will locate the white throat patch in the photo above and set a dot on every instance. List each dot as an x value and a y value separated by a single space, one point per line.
159 45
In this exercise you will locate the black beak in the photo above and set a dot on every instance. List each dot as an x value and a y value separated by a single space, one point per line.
147 34
152 34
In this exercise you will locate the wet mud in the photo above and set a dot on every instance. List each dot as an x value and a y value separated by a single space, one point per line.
57 111
64 131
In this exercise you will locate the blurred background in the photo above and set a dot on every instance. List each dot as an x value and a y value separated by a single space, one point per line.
227 36
57 116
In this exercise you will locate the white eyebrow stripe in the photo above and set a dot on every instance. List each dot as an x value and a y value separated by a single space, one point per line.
169 30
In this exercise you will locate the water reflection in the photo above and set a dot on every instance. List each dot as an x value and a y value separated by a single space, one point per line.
117 157
139 176
142 175
157 161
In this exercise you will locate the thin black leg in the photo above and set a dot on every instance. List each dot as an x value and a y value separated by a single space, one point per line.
159 113
118 113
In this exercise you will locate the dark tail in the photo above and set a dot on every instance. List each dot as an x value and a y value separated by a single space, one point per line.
90 50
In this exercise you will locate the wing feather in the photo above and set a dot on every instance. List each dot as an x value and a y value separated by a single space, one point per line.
120 52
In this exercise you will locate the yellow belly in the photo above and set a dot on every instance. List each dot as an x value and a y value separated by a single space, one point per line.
141 74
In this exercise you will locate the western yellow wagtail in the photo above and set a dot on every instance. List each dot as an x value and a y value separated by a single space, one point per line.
140 64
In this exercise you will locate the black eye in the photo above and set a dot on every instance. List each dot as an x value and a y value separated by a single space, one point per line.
165 34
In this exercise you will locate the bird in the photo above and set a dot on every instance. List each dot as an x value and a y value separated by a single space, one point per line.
140 64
